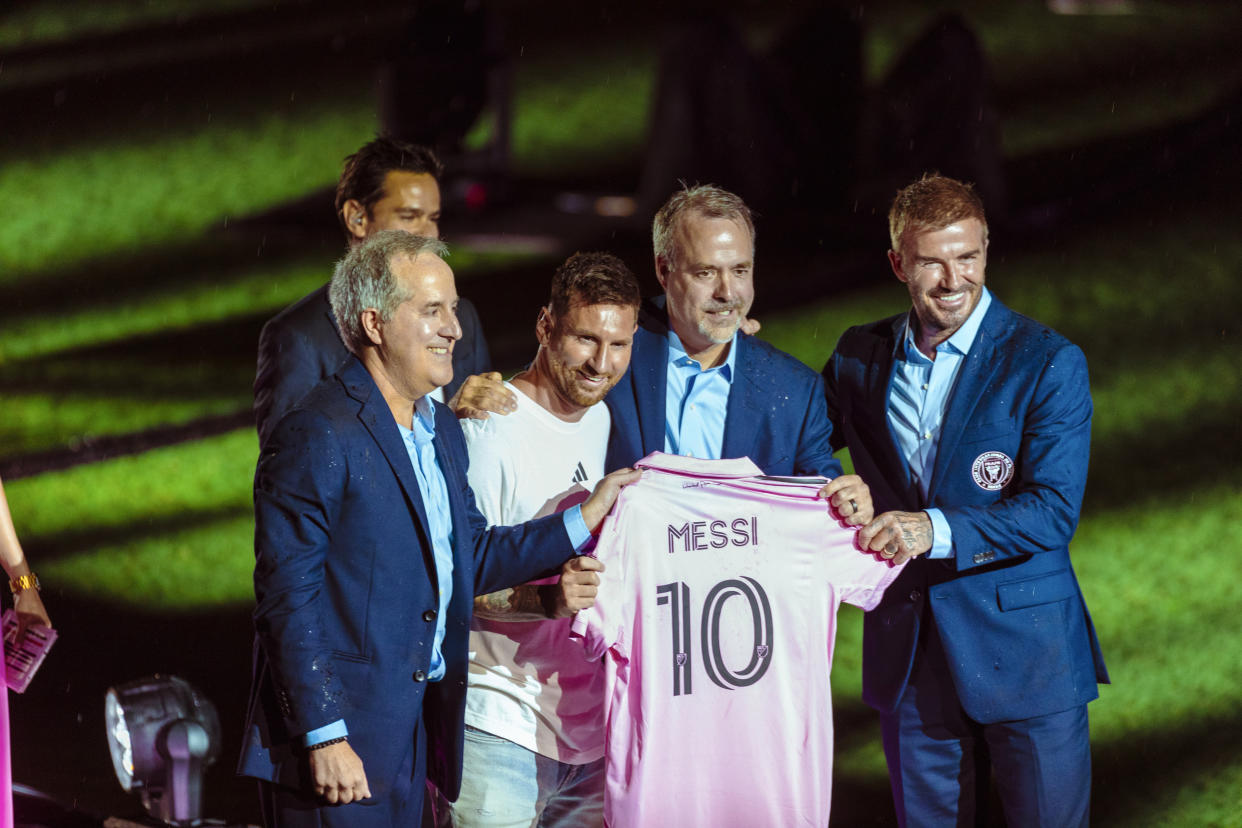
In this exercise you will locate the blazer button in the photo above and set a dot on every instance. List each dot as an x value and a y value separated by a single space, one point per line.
915 595
429 615
420 675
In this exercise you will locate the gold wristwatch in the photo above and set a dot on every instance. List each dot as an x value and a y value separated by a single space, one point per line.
24 582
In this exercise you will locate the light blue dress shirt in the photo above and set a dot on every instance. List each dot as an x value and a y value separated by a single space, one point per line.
422 451
695 402
431 485
917 402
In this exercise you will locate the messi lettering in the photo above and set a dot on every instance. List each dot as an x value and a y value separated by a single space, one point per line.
701 535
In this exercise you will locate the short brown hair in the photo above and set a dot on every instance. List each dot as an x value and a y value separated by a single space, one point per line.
933 203
593 279
705 200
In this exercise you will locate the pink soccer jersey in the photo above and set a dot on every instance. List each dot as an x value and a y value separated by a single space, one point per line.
716 618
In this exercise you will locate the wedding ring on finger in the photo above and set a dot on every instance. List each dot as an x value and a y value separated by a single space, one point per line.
854 506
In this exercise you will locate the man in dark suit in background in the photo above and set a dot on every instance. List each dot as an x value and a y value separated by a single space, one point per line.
696 385
386 185
972 425
368 553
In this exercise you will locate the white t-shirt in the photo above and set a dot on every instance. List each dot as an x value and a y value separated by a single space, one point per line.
716 619
528 682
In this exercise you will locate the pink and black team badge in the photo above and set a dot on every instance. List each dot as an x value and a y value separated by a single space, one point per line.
992 470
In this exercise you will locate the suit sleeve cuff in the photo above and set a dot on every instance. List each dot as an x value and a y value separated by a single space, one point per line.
579 535
334 730
942 535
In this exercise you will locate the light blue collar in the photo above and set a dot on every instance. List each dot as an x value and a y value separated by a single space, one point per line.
424 430
677 355
961 340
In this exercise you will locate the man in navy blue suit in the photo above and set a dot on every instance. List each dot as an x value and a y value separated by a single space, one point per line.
696 385
972 424
368 553
386 185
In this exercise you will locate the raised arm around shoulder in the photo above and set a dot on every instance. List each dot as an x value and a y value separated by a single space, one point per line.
482 395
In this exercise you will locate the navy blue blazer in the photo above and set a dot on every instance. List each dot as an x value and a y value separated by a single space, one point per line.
301 346
1009 475
345 582
775 414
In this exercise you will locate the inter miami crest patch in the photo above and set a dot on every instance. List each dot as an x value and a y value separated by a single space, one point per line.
992 470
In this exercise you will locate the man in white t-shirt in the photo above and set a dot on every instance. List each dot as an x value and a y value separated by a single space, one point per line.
534 706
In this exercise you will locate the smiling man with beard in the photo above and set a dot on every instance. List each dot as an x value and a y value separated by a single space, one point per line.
696 385
534 705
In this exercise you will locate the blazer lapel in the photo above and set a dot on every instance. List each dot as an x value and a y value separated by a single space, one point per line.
972 379
743 412
649 370
376 416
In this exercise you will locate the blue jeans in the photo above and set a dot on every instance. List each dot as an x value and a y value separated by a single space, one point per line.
507 786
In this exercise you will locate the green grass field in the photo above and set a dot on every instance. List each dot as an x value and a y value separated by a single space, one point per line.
127 304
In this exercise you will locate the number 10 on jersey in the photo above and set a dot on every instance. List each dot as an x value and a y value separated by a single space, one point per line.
677 597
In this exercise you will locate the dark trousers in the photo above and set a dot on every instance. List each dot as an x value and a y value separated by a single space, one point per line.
940 760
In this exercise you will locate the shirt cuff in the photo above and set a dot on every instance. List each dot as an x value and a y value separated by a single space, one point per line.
579 535
942 535
335 730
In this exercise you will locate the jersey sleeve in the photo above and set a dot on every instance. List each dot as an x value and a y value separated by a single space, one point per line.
864 577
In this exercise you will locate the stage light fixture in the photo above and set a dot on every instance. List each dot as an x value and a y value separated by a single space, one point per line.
163 735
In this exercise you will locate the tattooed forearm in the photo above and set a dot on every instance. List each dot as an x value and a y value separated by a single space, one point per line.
521 603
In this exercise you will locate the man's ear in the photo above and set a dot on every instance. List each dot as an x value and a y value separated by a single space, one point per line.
662 269
373 326
356 218
894 261
544 325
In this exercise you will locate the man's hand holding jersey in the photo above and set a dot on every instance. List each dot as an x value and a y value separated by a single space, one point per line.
850 498
897 536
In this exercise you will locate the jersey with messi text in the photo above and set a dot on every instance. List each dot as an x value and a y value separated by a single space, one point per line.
716 618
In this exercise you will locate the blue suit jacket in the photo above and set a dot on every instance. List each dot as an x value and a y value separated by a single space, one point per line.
346 589
301 346
775 414
1016 631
